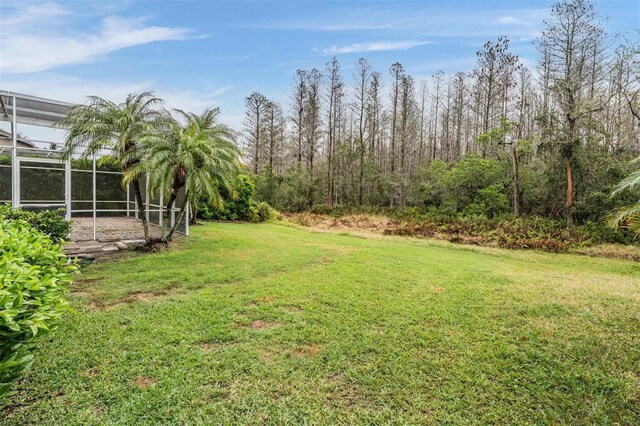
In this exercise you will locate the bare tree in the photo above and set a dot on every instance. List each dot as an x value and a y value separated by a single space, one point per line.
493 74
397 72
438 79
254 121
335 95
298 101
362 77
312 115
274 131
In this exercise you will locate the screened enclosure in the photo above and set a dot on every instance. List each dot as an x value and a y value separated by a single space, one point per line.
34 175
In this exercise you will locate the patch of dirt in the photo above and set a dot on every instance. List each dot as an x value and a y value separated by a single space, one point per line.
99 410
378 329
260 324
437 289
144 382
308 351
267 355
207 347
89 373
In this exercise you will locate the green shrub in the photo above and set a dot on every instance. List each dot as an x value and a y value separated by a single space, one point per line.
240 207
50 222
261 212
236 207
34 274
473 186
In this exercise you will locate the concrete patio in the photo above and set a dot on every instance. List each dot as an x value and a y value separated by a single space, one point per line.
112 234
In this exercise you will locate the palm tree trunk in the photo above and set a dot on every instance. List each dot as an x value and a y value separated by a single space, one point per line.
141 209
179 218
167 211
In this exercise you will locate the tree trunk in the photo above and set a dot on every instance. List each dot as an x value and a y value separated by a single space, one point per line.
167 211
179 218
517 202
141 209
570 219
361 178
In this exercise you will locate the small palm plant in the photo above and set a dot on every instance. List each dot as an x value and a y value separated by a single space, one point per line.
627 217
104 125
193 153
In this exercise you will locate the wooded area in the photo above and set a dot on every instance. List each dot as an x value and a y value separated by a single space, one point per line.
550 140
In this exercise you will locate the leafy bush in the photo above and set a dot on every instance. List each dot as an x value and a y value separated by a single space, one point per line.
236 206
242 206
474 186
50 222
261 212
34 274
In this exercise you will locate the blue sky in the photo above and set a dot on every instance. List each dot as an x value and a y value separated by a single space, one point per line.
213 53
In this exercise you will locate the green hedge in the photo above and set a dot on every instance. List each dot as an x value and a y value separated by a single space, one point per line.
34 274
49 222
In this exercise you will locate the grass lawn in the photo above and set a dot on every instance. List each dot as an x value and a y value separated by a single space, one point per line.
273 324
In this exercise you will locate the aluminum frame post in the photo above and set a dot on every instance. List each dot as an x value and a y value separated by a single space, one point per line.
67 188
128 199
187 218
15 163
94 199
146 196
161 215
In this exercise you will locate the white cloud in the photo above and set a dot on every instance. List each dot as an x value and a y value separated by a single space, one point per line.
30 40
374 47
423 20
34 13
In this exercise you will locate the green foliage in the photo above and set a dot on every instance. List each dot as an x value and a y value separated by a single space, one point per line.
472 186
49 222
290 191
237 205
489 201
628 216
193 153
34 274
490 140
105 163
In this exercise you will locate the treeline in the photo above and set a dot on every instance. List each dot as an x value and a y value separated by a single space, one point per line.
550 141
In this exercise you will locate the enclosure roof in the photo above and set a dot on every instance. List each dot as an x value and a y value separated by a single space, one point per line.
32 109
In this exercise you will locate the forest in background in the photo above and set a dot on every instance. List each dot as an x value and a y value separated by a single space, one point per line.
551 140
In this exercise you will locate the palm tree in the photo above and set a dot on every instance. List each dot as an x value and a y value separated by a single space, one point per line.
627 217
104 125
195 154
